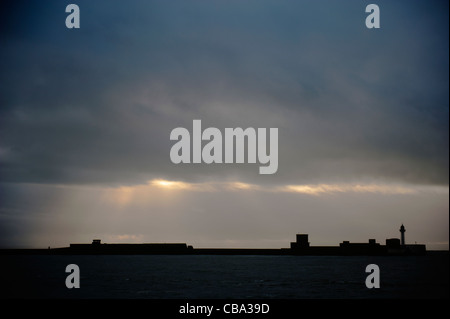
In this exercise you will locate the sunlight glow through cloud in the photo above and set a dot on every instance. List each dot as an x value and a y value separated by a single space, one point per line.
171 184
346 188
312 189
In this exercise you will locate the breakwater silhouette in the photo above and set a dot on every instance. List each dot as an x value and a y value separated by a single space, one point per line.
301 246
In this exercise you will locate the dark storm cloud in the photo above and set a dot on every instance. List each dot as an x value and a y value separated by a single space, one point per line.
96 105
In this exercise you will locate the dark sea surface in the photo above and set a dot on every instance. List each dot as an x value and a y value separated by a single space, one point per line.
235 277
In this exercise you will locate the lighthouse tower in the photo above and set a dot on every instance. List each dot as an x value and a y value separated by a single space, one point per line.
402 231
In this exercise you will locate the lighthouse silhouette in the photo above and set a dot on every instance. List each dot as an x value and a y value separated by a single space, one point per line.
402 231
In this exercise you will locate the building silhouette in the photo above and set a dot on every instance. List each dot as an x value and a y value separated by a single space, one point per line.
393 246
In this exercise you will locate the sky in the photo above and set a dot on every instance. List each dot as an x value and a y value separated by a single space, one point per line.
86 116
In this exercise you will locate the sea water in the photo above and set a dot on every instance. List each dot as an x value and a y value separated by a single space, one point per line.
236 277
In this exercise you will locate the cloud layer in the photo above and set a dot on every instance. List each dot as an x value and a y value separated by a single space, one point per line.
86 116
96 105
